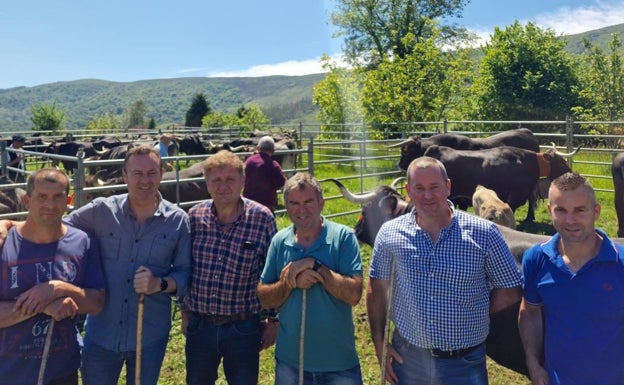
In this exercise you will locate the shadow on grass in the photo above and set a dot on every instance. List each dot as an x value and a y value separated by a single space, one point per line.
536 228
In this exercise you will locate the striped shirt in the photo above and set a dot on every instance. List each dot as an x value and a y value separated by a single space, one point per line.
226 267
441 297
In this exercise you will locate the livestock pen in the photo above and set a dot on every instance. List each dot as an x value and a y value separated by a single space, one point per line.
361 163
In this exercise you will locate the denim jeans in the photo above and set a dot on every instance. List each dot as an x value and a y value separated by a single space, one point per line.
237 343
419 367
287 375
103 367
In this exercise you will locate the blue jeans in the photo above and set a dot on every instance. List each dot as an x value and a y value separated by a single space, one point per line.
237 343
419 367
103 367
287 375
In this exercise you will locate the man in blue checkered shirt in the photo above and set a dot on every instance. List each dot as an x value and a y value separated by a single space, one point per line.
451 270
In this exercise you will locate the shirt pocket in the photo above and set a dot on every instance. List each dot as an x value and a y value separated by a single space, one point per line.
160 253
110 245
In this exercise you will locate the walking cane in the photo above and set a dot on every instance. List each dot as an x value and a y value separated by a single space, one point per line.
302 333
384 350
139 338
46 352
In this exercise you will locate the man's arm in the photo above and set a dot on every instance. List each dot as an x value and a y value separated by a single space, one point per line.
376 308
531 329
344 288
35 299
504 297
9 317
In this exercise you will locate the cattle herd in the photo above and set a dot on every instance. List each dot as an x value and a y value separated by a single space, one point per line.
63 151
495 175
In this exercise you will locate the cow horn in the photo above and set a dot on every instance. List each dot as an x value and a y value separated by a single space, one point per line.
395 182
359 199
237 148
568 154
406 141
100 182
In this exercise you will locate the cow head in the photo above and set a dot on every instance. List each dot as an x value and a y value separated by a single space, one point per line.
557 162
383 204
411 148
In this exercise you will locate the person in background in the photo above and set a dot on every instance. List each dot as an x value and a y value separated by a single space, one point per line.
164 141
323 258
50 271
263 175
572 314
16 160
451 270
221 312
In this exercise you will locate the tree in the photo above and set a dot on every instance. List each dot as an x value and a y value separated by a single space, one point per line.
338 96
152 124
251 115
602 79
105 123
526 74
422 86
135 114
375 29
219 119
47 117
199 108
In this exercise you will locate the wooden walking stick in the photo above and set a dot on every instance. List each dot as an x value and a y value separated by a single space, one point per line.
46 352
302 333
139 338
384 349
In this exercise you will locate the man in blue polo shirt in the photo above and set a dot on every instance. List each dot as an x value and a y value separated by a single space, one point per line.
572 315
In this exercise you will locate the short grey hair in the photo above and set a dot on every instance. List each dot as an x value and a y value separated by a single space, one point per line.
302 181
266 143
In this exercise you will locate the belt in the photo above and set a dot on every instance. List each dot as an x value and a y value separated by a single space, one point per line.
452 353
223 319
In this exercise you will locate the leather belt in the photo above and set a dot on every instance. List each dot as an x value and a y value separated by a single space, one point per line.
223 319
452 353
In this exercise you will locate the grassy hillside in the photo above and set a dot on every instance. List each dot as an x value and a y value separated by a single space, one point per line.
283 98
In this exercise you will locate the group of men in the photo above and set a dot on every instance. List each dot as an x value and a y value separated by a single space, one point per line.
242 285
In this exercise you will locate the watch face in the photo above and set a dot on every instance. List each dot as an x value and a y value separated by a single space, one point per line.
163 284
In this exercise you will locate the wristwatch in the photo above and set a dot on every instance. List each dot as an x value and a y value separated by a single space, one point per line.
163 284
317 265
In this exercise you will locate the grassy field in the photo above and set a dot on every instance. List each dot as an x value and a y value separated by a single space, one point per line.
173 371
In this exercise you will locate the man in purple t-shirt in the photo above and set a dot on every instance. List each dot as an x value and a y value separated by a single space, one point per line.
263 175
50 271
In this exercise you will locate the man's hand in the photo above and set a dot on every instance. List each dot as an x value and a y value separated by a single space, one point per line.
62 308
307 278
268 333
291 271
35 299
5 225
145 282
391 355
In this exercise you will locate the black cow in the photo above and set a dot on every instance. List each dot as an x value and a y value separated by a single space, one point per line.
191 144
617 172
70 149
188 190
415 147
511 172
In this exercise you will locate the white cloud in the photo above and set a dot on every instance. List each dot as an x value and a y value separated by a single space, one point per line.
571 21
288 68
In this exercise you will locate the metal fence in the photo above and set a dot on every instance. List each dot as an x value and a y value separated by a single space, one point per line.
353 146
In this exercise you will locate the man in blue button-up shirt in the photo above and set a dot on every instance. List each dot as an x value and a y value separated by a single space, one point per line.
145 245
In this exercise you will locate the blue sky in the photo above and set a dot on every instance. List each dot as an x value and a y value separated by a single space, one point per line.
45 42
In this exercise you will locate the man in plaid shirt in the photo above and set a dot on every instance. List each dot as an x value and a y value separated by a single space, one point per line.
230 238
